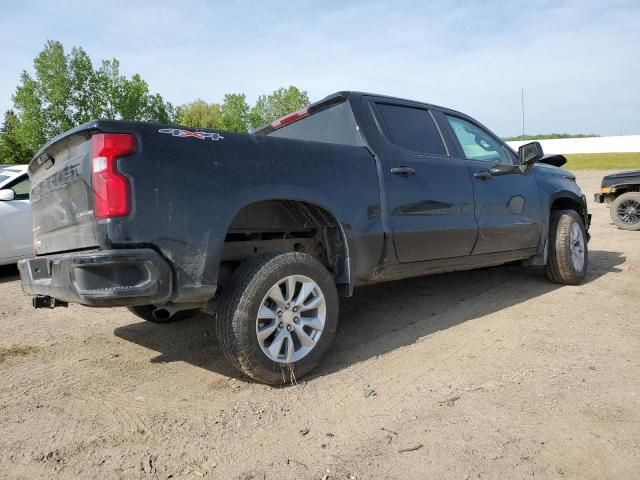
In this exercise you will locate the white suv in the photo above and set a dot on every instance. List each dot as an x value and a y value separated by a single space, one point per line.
16 240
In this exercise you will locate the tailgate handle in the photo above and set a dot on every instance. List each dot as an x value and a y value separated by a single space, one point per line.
403 171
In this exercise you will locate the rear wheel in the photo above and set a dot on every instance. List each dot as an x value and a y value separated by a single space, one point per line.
278 316
625 211
153 314
568 257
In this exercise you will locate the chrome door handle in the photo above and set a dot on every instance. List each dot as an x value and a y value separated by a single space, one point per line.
403 171
482 175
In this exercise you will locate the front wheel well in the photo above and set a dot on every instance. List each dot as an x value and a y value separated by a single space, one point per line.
622 189
286 226
568 203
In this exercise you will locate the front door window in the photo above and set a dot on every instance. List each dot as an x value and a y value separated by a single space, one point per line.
476 143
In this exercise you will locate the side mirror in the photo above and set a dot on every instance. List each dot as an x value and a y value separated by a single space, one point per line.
530 153
7 195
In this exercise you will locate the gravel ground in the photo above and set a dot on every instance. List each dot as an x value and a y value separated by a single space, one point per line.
494 373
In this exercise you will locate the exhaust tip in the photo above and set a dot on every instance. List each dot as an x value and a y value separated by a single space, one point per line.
161 314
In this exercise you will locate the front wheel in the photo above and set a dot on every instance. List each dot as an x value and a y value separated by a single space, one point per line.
625 211
278 316
568 257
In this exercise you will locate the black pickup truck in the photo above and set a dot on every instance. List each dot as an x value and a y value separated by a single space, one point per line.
621 193
267 230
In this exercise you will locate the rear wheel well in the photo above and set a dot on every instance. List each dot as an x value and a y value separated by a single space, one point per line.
286 226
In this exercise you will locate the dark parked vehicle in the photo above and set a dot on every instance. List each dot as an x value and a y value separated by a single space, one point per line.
621 192
267 230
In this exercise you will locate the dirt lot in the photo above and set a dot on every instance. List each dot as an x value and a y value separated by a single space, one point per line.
486 374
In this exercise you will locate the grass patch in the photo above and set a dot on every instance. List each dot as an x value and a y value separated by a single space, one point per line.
602 161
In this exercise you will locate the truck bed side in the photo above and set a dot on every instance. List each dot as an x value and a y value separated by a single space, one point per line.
187 190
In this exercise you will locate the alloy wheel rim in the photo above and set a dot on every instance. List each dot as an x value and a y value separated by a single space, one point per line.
576 239
629 212
291 319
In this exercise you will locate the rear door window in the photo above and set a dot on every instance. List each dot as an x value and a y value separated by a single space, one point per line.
410 128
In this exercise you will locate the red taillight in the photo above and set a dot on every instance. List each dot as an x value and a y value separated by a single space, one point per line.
290 118
111 189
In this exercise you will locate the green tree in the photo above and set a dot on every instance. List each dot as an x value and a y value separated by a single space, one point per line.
235 113
281 102
110 88
134 102
53 87
84 87
11 150
30 125
65 90
200 114
159 111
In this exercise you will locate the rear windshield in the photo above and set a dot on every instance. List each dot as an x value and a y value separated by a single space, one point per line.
333 125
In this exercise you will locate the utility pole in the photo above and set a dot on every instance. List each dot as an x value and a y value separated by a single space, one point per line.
522 97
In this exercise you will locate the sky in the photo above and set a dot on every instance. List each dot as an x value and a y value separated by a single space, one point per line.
578 62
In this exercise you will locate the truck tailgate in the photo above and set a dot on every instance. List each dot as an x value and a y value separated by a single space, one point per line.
61 196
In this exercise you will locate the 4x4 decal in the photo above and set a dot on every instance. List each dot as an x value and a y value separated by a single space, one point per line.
178 132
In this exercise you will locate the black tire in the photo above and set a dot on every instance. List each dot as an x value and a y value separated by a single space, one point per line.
145 312
561 267
238 313
625 211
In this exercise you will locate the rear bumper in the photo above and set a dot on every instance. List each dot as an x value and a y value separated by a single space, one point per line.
100 277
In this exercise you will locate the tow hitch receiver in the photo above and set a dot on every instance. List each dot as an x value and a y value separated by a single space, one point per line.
44 301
